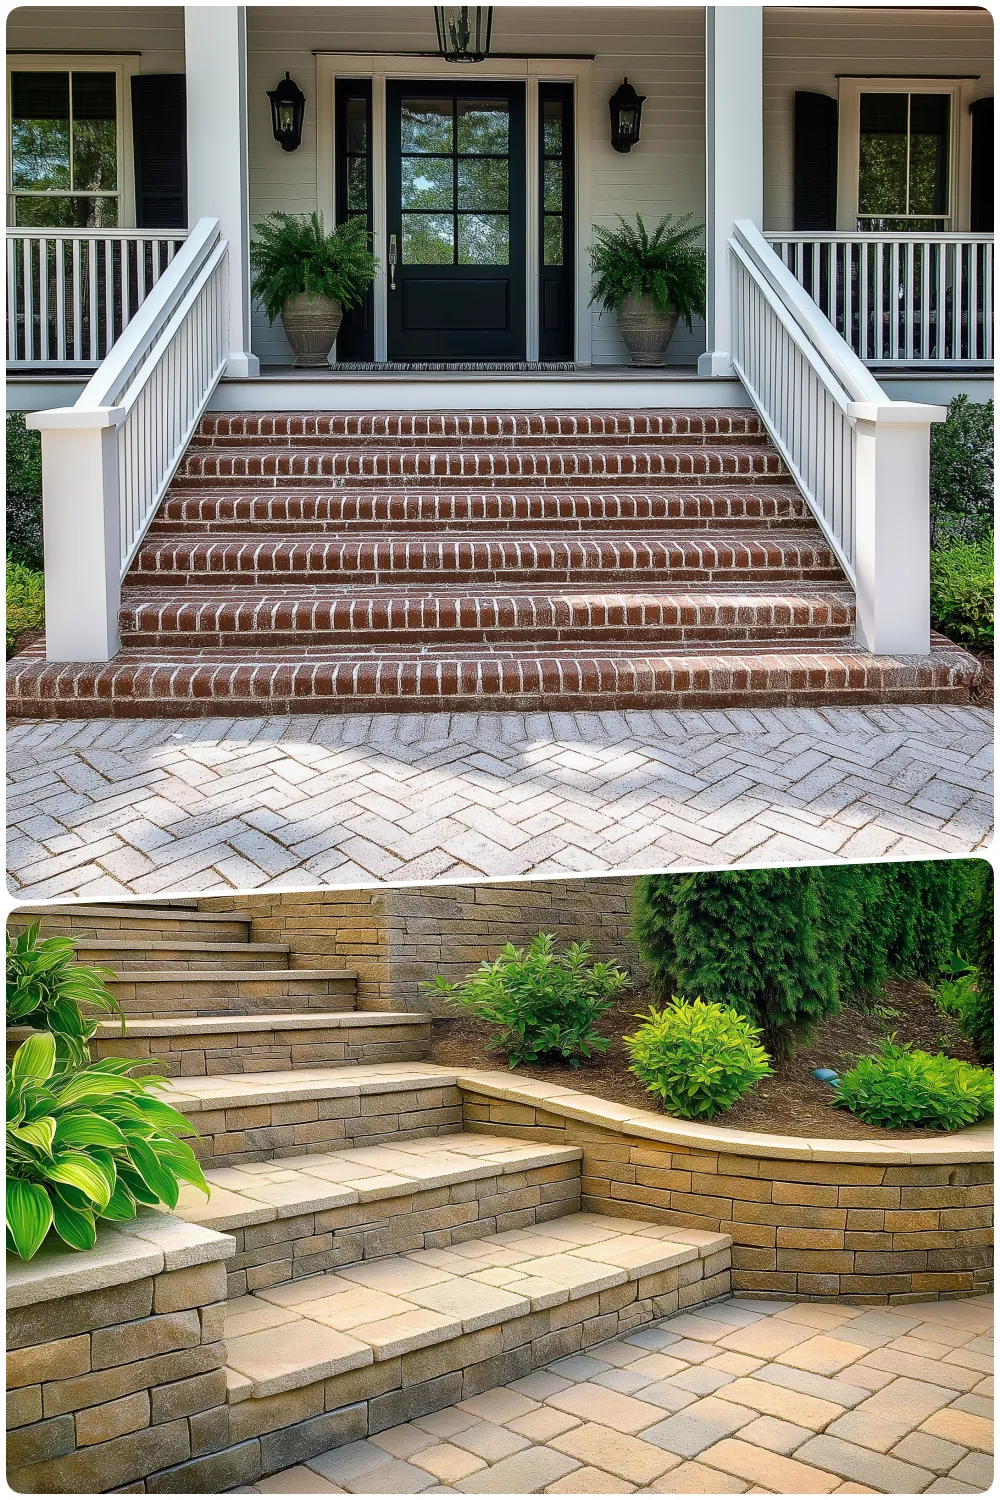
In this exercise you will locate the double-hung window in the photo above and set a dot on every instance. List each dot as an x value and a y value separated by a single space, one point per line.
65 147
904 162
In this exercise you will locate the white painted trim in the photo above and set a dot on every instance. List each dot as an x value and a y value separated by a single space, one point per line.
380 69
123 68
959 145
477 391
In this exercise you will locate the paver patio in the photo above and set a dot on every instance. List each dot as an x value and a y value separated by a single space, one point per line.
721 1400
102 808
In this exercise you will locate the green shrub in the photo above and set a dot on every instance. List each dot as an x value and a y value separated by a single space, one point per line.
46 988
547 1004
665 265
24 493
902 1086
85 1144
25 601
979 937
698 1058
962 473
962 593
293 254
966 994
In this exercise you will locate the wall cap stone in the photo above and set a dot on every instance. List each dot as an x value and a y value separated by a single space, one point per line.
151 1244
313 1021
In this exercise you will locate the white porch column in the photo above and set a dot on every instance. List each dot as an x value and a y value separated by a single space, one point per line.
734 147
218 177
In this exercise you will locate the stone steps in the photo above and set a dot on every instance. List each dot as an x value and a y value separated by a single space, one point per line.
257 1043
206 992
96 922
133 955
327 614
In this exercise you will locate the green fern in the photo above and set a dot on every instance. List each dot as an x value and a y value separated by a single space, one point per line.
664 264
293 253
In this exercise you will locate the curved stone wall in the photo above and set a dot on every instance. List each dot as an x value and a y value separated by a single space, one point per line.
865 1221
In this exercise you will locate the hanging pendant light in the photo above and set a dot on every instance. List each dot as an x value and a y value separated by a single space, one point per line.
626 115
463 32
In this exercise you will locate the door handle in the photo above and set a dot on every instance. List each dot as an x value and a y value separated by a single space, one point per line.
392 262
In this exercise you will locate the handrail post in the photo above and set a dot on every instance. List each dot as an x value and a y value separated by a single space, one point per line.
80 518
892 524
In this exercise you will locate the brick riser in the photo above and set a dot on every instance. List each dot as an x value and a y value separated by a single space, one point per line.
324 563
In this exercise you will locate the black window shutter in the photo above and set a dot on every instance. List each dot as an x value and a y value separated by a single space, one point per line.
981 205
159 140
815 203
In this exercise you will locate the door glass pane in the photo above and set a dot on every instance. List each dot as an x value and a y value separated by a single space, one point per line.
552 127
426 125
66 211
357 126
483 240
95 149
40 130
929 153
428 240
552 240
483 183
552 187
483 127
882 178
357 184
427 182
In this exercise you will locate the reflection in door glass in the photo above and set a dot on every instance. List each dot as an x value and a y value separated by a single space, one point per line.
483 240
483 127
428 240
426 125
483 183
427 182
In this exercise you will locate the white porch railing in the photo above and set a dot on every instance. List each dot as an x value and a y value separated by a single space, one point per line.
900 298
107 461
861 460
71 293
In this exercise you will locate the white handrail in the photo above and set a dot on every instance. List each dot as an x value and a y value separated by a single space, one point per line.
107 461
860 460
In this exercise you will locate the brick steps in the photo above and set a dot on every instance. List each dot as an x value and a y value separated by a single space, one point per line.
207 1045
134 955
348 429
213 991
288 508
328 614
332 680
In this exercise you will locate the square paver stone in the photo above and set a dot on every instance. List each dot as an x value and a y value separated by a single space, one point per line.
525 1473
627 1457
275 1359
590 1482
778 1401
478 1305
622 1380
929 1452
889 1475
544 1424
687 1433
490 1442
694 1478
297 1481
768 1470
822 1355
402 1441
778 1436
448 1463
500 1405
446 1422
767 1339
594 1403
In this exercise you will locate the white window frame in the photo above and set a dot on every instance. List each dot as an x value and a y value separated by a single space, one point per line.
380 69
959 92
75 62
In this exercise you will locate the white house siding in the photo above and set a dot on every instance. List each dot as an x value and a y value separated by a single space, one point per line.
156 33
808 48
661 50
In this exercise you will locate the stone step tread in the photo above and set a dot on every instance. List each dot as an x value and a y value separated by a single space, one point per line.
163 944
273 1021
237 1090
263 1191
292 1335
93 912
219 976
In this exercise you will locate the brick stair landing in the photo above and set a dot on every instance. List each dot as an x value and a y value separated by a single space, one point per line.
325 563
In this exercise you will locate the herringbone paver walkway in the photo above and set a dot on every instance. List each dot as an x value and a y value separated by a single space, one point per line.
778 1398
159 806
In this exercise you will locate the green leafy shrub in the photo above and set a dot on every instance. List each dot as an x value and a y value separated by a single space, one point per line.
665 265
966 994
25 601
24 494
85 1144
294 253
903 1086
698 1058
962 593
962 473
547 1004
46 988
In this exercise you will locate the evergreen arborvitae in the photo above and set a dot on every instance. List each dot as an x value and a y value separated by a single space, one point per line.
928 898
652 913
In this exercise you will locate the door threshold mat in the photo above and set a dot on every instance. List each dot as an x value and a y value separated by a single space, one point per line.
350 367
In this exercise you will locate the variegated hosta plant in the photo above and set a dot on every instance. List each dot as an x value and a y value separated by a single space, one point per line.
46 988
85 1144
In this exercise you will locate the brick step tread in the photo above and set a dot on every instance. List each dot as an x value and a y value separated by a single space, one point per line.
332 679
260 1192
466 427
197 618
299 1333
277 509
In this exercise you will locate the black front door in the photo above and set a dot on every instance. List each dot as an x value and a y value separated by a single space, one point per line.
455 221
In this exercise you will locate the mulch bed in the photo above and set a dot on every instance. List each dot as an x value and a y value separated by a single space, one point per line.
983 696
789 1102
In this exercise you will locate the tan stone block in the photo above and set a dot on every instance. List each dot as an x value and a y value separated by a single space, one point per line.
596 1403
44 1322
209 1430
105 1385
194 1286
772 1471
836 1261
823 1355
40 1441
707 1207
747 1258
182 1398
99 1424
128 1342
909 1220
809 1194
790 1215
624 1456
866 1219
840 1173
868 1197
763 1236
249 1419
664 1178
810 1239
213 1322
961 1427
813 1285
58 1360
764 1281
24 1406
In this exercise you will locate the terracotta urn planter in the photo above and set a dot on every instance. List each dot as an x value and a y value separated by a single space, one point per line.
646 330
311 325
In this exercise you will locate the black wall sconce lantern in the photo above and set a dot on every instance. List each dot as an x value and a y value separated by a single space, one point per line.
288 107
626 115
464 32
